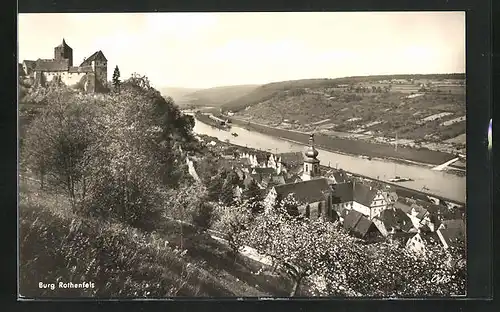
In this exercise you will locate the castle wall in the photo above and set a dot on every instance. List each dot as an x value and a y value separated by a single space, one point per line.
85 80
101 74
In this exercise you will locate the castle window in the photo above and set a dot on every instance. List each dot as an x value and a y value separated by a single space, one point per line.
307 168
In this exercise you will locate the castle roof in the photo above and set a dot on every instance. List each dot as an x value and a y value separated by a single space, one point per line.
96 56
64 45
52 65
309 191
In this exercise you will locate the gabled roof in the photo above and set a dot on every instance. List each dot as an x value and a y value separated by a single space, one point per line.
30 66
339 177
452 236
273 180
355 221
52 65
395 219
310 191
411 194
291 158
402 206
363 194
454 224
342 192
358 192
421 211
96 56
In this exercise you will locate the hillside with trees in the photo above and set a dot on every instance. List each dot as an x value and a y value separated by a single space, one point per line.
419 108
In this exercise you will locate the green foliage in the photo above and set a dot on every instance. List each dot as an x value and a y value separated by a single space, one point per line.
203 215
59 139
114 154
308 250
234 222
116 79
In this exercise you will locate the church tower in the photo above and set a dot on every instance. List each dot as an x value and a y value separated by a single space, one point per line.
64 52
311 162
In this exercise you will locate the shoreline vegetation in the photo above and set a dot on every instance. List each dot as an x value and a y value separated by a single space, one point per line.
323 167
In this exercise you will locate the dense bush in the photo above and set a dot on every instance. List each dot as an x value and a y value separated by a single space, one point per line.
120 261
114 154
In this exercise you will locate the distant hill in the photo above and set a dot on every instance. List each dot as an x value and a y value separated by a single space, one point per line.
268 91
420 108
178 94
217 96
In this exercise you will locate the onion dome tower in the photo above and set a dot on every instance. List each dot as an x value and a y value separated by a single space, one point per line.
311 162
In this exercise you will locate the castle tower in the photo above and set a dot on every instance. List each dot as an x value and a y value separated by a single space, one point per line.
64 52
311 162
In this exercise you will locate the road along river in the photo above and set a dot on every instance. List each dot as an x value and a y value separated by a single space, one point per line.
436 182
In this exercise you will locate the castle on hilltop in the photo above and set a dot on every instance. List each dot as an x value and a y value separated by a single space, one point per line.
90 76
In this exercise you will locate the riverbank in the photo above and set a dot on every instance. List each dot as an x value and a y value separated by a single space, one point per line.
357 175
421 156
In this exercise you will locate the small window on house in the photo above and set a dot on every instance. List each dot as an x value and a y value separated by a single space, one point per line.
307 169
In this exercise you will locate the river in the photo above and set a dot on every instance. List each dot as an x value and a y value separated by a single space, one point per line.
437 182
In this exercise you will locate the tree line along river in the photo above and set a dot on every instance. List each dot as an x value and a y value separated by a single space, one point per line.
438 183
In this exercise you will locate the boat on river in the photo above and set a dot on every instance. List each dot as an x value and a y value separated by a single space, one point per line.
234 134
399 179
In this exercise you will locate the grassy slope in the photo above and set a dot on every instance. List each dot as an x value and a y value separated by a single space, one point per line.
57 245
219 95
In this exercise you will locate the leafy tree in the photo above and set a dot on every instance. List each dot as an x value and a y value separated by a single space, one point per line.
234 222
253 194
116 79
299 248
60 141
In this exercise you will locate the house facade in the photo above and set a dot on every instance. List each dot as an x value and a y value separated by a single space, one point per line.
359 197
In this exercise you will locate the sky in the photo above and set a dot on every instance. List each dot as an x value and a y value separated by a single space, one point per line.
202 50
